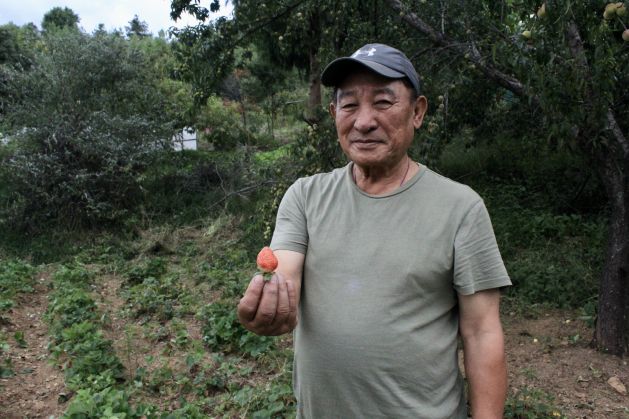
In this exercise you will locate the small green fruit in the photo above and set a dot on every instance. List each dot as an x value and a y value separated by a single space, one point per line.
611 7
621 10
625 35
610 10
541 12
526 34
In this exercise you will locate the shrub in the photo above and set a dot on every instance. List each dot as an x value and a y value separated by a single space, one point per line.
219 125
86 121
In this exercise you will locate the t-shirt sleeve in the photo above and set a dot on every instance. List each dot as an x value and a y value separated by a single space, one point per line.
291 232
477 262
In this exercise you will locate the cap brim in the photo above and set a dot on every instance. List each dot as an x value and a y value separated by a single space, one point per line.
340 68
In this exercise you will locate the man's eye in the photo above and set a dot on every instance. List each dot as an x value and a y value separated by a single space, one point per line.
383 103
348 106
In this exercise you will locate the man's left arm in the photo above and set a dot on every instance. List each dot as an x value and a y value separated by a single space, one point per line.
483 346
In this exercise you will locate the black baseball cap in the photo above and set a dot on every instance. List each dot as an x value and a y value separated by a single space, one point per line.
379 58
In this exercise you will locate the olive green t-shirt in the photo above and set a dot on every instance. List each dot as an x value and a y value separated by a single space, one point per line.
378 323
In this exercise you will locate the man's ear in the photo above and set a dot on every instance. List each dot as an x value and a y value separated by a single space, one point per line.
332 110
421 106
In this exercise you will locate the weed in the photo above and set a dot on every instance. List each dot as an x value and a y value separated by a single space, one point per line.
19 339
6 366
531 403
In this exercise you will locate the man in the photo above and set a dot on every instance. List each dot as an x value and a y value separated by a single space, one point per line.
387 264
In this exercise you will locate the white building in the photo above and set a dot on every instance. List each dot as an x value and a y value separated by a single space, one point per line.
186 139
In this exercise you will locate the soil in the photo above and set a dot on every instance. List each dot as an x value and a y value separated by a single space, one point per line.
37 389
549 353
552 352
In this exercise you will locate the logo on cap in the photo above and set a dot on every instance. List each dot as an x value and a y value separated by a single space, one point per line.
360 51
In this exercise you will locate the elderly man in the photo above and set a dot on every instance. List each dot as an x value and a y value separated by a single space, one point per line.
386 264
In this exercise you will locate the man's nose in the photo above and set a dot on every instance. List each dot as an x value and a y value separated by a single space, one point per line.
365 119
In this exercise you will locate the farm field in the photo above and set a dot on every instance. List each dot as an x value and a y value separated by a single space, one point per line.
147 328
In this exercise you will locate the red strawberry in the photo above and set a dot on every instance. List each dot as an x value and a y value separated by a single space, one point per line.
266 260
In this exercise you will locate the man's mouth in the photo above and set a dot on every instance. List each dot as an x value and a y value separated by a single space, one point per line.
365 141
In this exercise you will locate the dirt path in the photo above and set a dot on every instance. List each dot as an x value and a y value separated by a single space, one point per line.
36 389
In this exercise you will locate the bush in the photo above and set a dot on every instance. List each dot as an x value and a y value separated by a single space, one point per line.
85 121
219 125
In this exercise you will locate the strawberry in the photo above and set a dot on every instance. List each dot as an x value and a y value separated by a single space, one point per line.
266 260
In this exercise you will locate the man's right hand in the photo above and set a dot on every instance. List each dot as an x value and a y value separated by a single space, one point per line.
269 308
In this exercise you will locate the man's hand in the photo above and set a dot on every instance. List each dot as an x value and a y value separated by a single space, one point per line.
269 308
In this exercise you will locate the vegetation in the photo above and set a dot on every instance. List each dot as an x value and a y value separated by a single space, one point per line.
149 249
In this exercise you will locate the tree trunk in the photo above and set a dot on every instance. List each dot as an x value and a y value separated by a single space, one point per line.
313 109
314 93
612 163
612 323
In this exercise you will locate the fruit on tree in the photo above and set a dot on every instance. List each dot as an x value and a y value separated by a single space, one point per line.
541 12
625 35
526 34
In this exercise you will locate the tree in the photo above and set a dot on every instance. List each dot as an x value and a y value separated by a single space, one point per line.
59 18
85 122
572 65
17 44
300 34
137 28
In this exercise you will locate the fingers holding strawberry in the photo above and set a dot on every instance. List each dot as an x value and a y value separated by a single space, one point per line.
269 306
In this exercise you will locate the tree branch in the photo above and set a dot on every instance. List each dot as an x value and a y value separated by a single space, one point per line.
466 50
575 44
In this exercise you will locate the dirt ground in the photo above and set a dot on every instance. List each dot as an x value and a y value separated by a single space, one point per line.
37 389
549 352
552 352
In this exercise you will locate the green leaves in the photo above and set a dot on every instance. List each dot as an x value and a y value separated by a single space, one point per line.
223 332
85 122
16 277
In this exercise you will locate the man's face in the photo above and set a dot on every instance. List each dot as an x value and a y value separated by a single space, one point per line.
376 119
